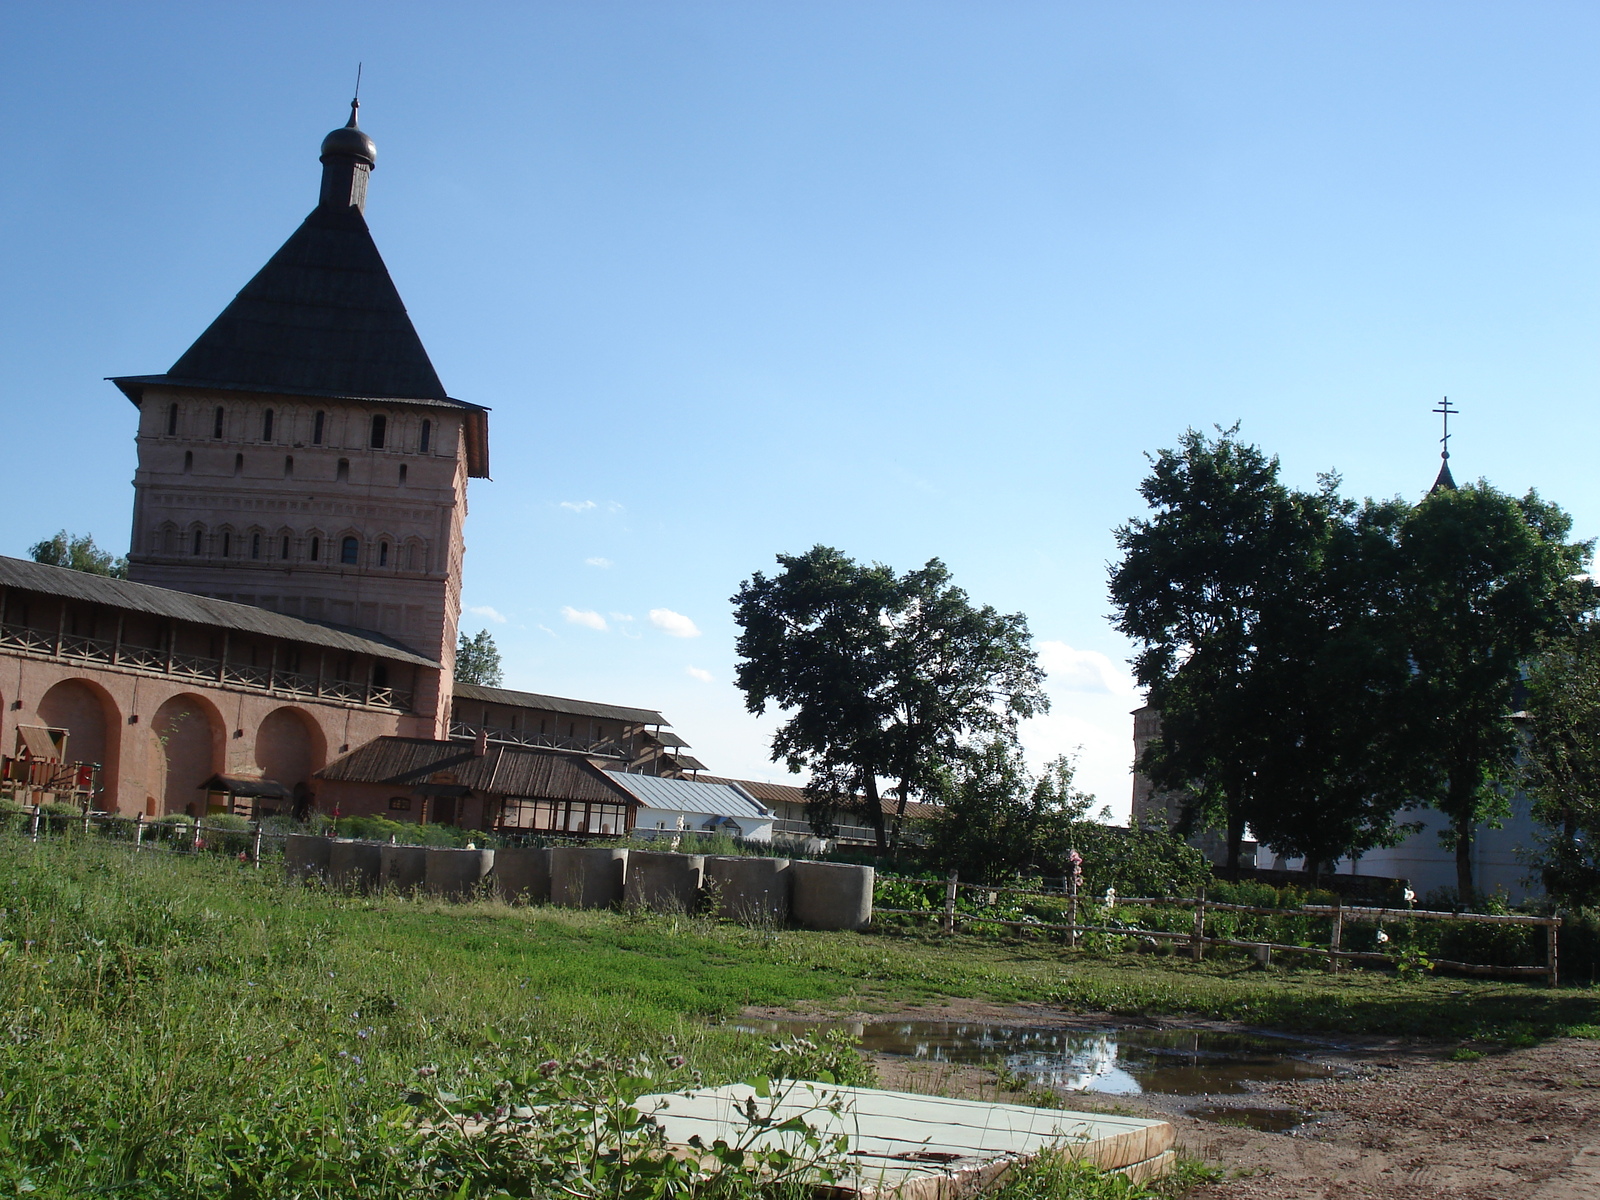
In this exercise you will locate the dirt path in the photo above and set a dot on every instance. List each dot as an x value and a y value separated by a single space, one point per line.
1401 1121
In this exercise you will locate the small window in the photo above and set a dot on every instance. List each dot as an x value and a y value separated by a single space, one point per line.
402 474
255 545
316 548
380 427
196 549
383 554
411 558
172 419
216 423
316 428
238 464
284 553
427 436
288 466
349 552
399 803
188 461
227 544
343 470
266 426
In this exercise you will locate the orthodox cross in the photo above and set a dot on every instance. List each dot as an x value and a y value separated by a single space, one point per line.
1445 411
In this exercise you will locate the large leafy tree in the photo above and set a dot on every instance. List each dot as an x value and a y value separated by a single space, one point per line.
79 553
1561 767
1202 581
882 676
478 659
1486 578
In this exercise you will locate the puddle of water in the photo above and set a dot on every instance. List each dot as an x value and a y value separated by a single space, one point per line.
1116 1062
1267 1120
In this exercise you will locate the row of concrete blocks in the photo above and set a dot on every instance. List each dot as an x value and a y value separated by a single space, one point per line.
748 889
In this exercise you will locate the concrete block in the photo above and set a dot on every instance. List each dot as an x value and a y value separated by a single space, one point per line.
752 890
830 895
456 874
305 857
402 868
587 876
354 866
522 875
662 881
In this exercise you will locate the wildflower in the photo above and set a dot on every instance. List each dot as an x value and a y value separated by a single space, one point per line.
677 1060
549 1068
427 1072
1382 937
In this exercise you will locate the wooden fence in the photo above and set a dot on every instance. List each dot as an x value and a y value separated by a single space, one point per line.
1196 938
179 836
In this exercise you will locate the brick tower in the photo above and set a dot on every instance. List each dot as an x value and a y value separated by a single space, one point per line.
302 456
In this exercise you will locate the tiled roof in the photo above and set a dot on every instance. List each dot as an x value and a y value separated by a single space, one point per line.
199 610
577 708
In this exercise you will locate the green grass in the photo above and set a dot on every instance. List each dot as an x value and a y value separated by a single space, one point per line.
162 1015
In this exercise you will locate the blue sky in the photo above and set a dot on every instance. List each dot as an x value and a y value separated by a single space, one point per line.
914 280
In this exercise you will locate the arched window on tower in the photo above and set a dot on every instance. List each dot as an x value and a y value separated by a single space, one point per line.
255 545
238 464
380 427
316 548
227 544
350 552
427 436
383 553
342 471
195 547
216 421
288 465
266 426
317 423
284 552
402 474
188 461
172 420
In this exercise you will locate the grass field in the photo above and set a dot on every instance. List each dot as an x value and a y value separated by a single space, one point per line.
177 1027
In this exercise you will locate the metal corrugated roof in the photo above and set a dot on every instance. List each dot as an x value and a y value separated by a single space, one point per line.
775 793
501 771
691 795
199 610
577 708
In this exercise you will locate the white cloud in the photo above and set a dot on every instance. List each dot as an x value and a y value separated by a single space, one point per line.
578 506
697 673
673 624
1083 671
548 630
597 561
580 616
622 616
483 610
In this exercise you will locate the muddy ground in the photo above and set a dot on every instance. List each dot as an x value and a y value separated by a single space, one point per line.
1400 1120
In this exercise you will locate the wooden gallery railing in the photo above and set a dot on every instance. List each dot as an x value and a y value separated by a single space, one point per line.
1197 940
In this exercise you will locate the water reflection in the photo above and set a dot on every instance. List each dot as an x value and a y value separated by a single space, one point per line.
1117 1062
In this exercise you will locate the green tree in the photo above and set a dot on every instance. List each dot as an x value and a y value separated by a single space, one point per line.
1561 766
999 821
1486 579
478 660
1200 585
882 676
79 554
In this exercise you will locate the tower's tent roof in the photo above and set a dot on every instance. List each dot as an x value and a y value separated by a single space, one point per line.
322 316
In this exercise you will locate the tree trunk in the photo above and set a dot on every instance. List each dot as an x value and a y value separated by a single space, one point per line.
875 814
1464 864
899 818
1235 836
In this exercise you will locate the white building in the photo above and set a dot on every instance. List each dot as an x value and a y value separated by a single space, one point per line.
669 807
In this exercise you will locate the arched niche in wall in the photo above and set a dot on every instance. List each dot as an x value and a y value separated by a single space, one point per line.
290 747
187 738
94 726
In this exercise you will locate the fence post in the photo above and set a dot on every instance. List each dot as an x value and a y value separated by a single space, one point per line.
1336 938
33 825
1552 942
86 820
255 847
950 902
138 832
1197 945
